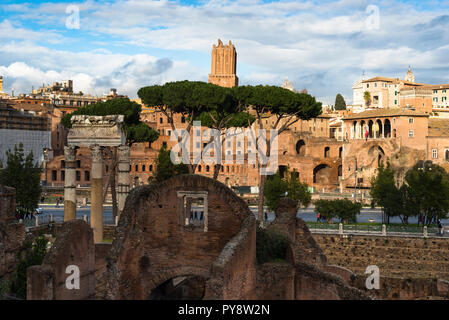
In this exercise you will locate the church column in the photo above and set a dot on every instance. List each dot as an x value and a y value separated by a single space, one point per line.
70 183
123 176
96 212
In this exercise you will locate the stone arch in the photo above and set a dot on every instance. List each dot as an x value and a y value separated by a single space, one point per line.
378 152
173 273
387 128
370 129
380 129
354 130
301 147
323 174
153 242
362 129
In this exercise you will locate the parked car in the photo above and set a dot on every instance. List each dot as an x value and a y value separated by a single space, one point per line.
39 211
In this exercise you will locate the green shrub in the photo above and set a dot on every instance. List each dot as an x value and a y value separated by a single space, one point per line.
31 254
270 246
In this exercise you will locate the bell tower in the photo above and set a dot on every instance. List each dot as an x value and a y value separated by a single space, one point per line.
410 77
224 65
1 83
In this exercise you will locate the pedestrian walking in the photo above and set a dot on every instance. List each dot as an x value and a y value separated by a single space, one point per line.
318 217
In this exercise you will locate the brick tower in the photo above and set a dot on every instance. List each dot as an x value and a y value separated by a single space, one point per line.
224 65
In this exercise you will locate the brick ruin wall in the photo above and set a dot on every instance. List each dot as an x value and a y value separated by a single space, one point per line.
74 246
11 235
410 268
395 256
233 274
152 245
306 278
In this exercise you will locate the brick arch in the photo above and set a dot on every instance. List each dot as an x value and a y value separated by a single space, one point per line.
152 245
166 275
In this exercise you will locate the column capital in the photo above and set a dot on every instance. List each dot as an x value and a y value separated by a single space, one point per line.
96 152
70 153
123 153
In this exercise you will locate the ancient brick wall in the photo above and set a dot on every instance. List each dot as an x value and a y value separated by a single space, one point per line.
11 235
233 274
74 246
101 253
11 239
7 204
311 283
405 288
152 245
395 256
275 281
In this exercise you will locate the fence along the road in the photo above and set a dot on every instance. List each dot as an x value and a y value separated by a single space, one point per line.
372 229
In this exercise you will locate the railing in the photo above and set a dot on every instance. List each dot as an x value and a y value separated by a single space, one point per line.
47 219
382 230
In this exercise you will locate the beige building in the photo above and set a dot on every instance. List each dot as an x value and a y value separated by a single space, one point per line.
224 65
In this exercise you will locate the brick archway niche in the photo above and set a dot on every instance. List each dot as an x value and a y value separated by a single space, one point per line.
156 240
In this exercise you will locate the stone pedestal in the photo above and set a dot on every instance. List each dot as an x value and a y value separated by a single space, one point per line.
96 213
123 176
70 183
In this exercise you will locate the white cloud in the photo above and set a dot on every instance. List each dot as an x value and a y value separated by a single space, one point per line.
321 45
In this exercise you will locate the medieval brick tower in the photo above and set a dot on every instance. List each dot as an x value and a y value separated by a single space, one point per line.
224 65
1 84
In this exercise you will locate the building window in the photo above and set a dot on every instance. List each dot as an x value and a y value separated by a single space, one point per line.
78 163
410 133
326 152
395 101
164 144
62 164
136 168
78 176
434 153
86 176
161 120
144 168
54 175
198 133
151 167
62 175
410 120
169 132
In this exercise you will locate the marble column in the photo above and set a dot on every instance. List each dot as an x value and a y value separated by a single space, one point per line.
96 209
123 176
70 183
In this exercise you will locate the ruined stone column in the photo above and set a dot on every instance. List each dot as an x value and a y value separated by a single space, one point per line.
96 210
70 183
123 176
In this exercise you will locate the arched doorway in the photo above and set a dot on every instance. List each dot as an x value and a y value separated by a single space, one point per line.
370 129
387 128
379 128
188 287
354 130
301 147
322 174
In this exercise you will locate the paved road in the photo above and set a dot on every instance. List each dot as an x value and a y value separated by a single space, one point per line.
306 214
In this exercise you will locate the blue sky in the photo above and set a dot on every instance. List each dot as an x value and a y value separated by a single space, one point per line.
320 45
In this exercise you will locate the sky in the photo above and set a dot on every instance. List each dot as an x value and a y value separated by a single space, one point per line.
323 46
